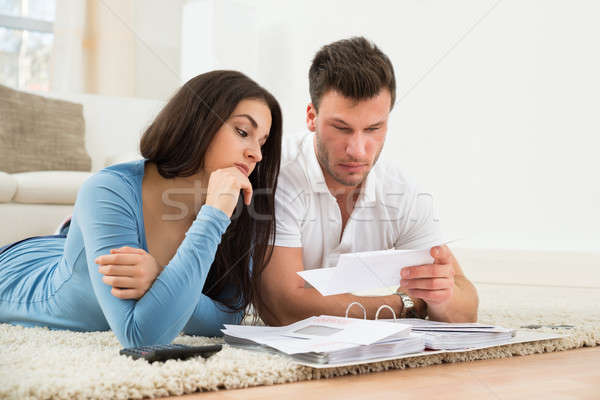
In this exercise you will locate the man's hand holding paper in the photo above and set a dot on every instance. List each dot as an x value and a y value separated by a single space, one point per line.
434 283
370 270
432 275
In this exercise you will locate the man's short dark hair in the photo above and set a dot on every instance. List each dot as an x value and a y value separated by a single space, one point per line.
354 67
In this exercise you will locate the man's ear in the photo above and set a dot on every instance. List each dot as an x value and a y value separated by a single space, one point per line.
311 117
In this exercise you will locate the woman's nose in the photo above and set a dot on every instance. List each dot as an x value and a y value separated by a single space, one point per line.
254 153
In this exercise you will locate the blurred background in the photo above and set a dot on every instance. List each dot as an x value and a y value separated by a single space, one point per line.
498 102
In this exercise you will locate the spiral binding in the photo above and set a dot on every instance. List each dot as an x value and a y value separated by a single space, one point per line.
365 311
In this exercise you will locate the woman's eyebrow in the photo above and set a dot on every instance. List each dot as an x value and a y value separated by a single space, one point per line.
252 121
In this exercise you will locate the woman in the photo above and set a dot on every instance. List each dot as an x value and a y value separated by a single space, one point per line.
142 254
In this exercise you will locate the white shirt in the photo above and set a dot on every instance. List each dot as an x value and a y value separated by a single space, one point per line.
390 212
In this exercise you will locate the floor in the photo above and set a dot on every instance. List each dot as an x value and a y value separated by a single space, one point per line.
573 374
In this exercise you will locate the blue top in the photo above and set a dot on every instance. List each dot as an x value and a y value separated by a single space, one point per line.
54 281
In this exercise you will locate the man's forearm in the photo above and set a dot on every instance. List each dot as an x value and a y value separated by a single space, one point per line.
307 302
461 308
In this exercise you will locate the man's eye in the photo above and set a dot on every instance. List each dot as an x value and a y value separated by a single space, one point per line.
372 129
241 132
341 128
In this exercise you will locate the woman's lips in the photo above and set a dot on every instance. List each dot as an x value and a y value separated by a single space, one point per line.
243 168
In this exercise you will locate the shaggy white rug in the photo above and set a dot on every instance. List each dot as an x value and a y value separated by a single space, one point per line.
36 363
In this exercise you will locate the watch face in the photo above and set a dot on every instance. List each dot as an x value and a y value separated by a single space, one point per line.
407 301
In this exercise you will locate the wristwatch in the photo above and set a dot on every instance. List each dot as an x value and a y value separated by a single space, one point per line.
410 308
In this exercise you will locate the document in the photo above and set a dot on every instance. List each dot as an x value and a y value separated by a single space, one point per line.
426 325
355 272
453 336
326 333
328 339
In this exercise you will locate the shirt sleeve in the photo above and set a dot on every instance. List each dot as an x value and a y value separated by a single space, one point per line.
106 214
212 311
422 228
217 313
288 211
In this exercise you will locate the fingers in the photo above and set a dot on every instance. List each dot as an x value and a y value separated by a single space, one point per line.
120 282
434 283
118 259
127 249
431 296
427 271
244 185
427 284
441 254
130 271
127 294
118 270
224 187
247 190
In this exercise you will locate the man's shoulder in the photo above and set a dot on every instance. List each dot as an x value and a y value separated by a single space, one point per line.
293 149
293 167
291 146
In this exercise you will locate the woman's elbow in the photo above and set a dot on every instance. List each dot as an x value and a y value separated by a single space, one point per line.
136 338
197 327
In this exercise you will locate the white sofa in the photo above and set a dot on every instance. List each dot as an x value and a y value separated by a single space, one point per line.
34 203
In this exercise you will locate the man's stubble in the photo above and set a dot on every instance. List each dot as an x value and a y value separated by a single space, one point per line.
323 159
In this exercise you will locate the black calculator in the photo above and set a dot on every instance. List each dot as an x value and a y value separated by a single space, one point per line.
164 352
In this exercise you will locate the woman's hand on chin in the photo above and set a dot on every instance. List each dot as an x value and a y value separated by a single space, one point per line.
130 271
224 187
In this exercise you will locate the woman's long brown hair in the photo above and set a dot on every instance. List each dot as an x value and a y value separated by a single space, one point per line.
177 141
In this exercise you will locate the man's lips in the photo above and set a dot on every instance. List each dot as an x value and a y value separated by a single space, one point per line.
352 167
242 167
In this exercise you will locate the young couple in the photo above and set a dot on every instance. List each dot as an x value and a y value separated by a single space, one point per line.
188 237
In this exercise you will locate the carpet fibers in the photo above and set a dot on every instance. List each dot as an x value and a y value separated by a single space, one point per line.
37 363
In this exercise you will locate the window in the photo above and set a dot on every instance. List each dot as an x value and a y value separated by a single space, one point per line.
26 38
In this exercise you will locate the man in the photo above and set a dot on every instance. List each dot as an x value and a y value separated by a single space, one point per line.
333 197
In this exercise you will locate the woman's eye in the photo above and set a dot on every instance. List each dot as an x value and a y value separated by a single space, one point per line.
241 132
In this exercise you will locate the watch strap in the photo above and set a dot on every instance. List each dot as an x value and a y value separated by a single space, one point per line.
412 308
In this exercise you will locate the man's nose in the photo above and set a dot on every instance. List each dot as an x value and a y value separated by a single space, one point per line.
356 147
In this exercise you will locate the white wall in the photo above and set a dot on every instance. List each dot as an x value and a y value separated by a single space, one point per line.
157 28
127 48
497 109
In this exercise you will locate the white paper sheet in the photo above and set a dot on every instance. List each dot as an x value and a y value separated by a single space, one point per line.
425 325
323 333
368 270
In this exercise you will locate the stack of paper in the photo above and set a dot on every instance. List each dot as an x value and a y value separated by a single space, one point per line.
453 336
327 339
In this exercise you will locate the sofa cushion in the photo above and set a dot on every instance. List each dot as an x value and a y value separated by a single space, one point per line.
40 134
49 187
8 187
